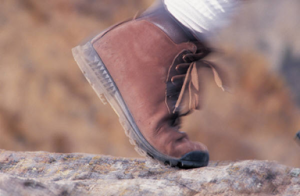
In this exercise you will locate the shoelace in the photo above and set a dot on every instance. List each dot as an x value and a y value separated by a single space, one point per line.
190 87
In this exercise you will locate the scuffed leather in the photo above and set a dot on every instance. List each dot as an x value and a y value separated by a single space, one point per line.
138 55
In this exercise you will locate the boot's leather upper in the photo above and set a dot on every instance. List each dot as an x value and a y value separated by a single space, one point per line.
153 62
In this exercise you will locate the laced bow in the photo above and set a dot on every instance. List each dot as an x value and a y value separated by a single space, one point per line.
187 77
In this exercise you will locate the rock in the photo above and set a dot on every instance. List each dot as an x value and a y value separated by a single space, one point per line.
42 173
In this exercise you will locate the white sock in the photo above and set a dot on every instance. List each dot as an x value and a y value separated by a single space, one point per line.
202 17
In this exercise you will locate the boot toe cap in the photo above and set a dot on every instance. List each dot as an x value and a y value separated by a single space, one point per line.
194 159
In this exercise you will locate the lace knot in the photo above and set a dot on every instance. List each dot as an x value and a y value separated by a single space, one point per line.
183 87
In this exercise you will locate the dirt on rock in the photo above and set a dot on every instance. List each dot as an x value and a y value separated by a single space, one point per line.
53 174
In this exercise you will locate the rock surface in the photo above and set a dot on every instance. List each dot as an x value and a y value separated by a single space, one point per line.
42 173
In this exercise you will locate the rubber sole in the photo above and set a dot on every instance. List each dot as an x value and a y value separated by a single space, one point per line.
99 78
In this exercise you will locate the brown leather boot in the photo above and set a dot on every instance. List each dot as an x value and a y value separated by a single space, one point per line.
146 68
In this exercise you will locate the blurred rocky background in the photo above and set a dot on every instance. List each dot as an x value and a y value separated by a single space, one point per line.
47 105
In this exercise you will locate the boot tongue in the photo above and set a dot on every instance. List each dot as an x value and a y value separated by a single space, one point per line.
190 95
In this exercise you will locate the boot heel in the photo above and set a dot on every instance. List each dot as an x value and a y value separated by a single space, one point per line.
103 99
94 71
